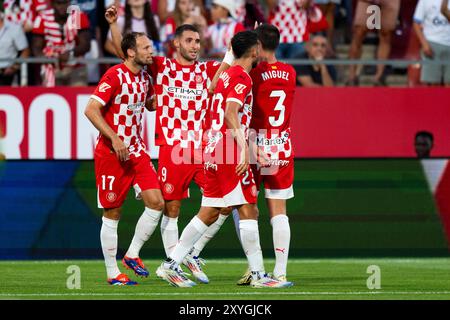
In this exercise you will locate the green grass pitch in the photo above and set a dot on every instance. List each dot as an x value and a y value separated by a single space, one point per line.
424 278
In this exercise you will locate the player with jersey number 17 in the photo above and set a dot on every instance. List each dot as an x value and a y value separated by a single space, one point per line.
121 161
181 107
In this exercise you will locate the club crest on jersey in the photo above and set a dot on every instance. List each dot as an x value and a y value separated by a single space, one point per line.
198 78
111 196
103 87
239 88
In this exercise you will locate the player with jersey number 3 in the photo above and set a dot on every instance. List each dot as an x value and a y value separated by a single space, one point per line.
121 161
274 90
228 183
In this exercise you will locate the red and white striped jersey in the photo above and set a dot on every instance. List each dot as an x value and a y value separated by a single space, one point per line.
123 95
234 85
59 40
294 22
274 90
221 34
181 100
25 12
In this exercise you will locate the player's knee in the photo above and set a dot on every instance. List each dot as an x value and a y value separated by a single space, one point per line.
226 211
172 209
209 220
156 204
249 211
113 214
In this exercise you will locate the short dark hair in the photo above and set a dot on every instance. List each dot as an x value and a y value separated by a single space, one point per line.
185 27
425 134
269 36
129 41
242 42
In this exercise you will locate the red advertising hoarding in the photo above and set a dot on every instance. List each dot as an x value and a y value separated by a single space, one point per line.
40 123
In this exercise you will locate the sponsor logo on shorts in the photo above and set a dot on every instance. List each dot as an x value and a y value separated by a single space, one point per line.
276 162
111 196
168 188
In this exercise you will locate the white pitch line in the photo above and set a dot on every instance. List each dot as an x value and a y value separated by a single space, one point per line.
150 294
244 261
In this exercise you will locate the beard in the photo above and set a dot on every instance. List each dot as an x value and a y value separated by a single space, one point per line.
140 62
184 53
254 64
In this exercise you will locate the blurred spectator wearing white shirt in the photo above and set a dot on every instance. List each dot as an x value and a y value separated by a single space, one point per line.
13 41
433 31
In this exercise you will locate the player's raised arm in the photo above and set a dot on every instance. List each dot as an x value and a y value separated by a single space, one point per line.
94 115
225 65
111 16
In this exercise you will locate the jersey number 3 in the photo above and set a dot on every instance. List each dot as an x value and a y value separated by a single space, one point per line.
281 95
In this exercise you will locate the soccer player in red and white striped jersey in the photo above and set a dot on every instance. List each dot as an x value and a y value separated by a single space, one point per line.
229 183
121 161
181 100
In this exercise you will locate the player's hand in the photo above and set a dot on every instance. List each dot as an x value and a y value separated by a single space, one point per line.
120 149
257 24
111 15
427 51
244 162
262 158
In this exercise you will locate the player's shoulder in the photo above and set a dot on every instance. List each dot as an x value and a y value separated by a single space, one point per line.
114 69
241 75
158 61
111 75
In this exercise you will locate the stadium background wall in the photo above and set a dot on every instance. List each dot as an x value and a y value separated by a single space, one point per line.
343 207
39 123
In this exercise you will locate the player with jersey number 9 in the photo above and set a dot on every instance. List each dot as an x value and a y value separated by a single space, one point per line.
181 106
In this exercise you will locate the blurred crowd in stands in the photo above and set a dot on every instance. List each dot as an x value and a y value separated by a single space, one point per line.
310 29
